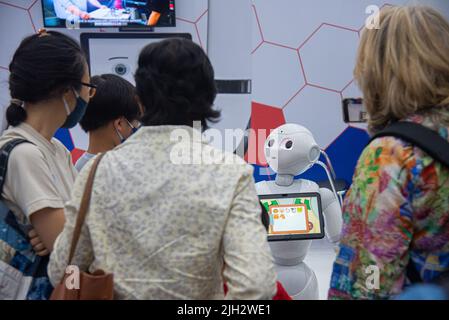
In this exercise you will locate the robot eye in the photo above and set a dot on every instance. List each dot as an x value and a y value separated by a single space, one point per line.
288 144
270 143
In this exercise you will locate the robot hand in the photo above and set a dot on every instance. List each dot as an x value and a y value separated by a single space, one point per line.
333 218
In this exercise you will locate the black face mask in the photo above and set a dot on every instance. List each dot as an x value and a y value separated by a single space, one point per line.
74 117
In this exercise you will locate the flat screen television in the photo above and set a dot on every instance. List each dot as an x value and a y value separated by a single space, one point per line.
118 52
108 13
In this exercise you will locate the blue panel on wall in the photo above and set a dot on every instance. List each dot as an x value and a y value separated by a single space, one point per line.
263 173
343 152
64 136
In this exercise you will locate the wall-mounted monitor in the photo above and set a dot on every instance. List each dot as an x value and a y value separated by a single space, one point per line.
108 13
118 53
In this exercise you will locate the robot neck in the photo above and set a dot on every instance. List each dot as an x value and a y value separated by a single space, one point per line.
284 180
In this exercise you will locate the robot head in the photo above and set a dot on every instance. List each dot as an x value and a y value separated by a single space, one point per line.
291 149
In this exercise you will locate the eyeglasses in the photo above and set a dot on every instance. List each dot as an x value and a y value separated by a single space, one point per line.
92 88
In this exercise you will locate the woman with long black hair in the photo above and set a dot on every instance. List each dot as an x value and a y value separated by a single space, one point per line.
49 86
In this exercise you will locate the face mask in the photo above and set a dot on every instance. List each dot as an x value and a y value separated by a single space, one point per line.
133 130
77 114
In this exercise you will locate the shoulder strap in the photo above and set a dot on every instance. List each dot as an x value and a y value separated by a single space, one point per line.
420 136
5 152
84 206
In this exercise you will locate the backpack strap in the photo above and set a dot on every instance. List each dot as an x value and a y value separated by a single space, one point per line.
5 152
426 139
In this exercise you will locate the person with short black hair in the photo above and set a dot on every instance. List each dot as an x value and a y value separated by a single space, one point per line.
170 230
176 91
111 117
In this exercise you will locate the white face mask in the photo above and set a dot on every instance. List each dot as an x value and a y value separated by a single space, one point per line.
120 136
66 106
133 130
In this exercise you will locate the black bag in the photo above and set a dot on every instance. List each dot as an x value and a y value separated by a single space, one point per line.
436 147
23 274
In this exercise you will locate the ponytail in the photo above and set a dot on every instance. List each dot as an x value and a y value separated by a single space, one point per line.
16 113
43 66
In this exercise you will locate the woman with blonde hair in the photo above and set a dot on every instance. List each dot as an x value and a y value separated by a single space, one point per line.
396 213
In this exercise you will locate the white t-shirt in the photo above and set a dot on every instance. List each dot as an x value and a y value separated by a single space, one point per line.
83 160
39 175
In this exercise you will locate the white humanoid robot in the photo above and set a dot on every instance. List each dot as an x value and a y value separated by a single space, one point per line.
291 150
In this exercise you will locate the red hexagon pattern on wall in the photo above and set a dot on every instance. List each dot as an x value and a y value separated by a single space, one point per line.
309 81
26 8
195 23
258 112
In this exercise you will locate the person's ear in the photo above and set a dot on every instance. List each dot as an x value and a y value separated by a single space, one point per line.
117 124
116 130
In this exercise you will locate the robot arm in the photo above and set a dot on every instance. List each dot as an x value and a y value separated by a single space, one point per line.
333 218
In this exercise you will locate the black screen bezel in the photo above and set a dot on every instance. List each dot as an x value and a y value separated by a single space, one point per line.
292 237
85 26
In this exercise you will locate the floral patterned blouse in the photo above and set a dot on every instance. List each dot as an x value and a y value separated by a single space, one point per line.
396 211
168 230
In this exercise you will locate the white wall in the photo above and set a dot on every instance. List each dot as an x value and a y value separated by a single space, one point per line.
303 56
20 18
229 49
327 57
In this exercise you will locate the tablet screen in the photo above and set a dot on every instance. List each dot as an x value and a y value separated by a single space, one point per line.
294 216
